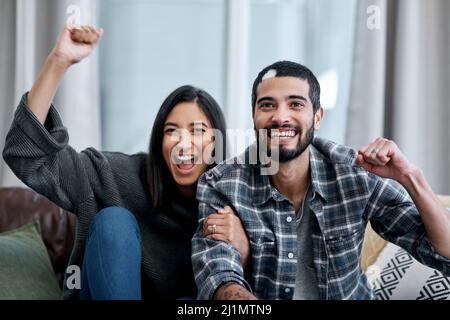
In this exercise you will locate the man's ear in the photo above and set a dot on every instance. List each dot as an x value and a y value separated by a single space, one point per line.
318 116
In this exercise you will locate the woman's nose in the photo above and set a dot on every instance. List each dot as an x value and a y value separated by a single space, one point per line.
185 141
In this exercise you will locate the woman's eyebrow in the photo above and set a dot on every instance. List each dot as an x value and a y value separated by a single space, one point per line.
170 124
199 123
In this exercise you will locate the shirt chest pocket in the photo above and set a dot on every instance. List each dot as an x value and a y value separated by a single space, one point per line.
338 241
261 236
262 241
259 228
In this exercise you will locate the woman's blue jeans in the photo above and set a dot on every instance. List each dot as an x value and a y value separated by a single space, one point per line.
112 260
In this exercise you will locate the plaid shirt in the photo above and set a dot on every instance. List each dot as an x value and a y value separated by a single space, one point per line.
344 198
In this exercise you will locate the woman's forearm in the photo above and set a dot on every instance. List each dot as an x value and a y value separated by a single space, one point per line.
44 89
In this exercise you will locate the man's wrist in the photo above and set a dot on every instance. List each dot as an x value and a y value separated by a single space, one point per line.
411 180
233 291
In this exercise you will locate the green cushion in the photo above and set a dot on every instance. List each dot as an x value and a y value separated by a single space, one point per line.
25 268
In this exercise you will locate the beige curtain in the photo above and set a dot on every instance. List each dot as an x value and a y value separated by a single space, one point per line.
28 31
400 84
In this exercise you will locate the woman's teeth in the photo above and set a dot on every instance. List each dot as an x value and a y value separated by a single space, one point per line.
184 159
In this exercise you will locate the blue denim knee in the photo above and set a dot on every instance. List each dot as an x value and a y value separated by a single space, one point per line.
114 221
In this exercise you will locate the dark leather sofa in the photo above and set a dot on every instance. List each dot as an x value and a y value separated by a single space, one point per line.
19 206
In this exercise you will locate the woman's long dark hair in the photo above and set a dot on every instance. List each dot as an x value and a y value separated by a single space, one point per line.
159 177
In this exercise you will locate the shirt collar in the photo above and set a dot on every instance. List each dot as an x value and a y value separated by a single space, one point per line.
265 190
318 180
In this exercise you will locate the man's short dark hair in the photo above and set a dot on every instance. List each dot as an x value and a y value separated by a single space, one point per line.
291 69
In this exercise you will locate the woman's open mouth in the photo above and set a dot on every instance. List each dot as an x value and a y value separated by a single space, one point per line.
184 163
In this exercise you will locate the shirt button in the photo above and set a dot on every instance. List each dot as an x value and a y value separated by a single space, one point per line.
290 255
289 219
287 290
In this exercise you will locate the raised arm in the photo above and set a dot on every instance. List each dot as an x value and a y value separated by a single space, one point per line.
36 147
383 158
73 45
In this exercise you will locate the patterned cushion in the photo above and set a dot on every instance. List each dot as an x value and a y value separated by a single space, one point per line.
395 275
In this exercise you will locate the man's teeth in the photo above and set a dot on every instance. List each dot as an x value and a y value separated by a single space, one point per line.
289 133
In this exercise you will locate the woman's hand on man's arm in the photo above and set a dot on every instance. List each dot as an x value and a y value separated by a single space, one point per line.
225 225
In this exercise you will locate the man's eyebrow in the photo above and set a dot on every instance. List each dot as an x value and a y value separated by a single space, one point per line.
265 98
291 97
297 97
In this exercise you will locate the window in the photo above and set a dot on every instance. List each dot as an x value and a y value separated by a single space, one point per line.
152 47
149 49
315 33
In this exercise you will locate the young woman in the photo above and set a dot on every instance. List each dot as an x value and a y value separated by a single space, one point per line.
136 213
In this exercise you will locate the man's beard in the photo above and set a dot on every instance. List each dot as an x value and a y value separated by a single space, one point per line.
286 155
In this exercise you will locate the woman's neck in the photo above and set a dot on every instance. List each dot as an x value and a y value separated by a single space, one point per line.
188 192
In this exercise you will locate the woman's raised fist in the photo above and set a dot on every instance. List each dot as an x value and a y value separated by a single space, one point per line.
85 34
75 43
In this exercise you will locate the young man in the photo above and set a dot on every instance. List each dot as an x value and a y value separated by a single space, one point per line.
306 222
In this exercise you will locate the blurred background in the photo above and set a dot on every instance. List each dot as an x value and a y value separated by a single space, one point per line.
384 67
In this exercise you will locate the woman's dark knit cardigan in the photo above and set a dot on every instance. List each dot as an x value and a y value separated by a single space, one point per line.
88 181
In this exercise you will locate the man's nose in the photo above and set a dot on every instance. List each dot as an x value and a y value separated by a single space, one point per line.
281 115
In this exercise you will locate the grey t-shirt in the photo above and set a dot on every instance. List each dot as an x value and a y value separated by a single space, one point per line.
306 287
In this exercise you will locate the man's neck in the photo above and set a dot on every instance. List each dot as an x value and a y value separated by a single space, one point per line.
293 178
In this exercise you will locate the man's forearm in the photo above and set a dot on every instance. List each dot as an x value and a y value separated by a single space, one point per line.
434 215
233 291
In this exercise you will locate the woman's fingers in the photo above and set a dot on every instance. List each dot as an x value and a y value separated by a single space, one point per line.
225 210
217 237
218 225
85 34
222 222
216 216
210 221
213 226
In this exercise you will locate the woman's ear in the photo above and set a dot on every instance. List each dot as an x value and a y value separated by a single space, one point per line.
209 150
